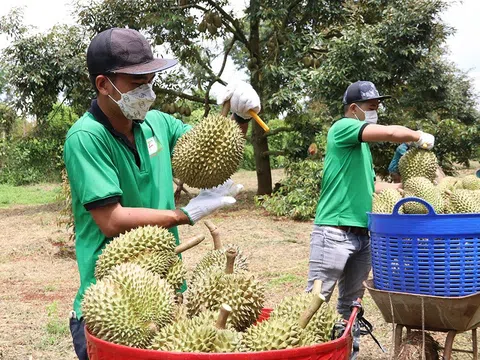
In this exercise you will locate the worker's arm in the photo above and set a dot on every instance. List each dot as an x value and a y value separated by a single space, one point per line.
115 219
392 133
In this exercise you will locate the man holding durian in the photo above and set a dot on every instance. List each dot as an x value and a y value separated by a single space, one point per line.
340 244
118 155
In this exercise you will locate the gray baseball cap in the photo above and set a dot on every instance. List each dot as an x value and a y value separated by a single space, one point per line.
123 51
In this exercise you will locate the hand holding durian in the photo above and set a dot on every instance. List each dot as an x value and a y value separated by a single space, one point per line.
211 152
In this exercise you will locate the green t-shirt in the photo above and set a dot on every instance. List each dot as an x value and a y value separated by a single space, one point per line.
348 177
102 167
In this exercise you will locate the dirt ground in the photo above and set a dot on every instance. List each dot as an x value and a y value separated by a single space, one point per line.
38 275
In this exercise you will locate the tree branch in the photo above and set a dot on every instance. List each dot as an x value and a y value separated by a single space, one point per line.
289 10
184 96
236 29
274 153
278 130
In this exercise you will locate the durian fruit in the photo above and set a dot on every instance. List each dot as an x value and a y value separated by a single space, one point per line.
282 333
383 202
132 244
470 182
216 259
203 333
465 201
445 186
241 291
418 163
322 322
424 189
150 247
128 306
210 153
177 274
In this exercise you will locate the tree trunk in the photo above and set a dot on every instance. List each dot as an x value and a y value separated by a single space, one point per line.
260 142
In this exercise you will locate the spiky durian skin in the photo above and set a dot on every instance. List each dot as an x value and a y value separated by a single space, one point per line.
418 163
176 274
242 292
321 324
133 244
216 260
275 334
423 188
197 334
470 182
128 306
210 153
465 201
383 202
184 336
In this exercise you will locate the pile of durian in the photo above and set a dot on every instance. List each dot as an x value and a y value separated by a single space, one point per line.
418 170
137 302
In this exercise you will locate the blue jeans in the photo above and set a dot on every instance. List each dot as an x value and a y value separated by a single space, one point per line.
339 256
77 329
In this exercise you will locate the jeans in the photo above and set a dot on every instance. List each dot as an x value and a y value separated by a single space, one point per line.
77 329
339 256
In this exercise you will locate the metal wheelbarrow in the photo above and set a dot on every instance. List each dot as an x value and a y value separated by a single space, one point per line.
452 315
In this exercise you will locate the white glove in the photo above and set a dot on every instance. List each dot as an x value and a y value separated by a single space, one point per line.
210 200
243 97
426 141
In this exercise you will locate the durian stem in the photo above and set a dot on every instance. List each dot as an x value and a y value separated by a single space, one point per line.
217 243
226 108
189 244
225 311
314 305
317 287
231 255
152 327
448 192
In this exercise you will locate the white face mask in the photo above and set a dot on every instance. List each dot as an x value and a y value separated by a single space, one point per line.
371 116
135 103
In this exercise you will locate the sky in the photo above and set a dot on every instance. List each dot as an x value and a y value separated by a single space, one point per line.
462 15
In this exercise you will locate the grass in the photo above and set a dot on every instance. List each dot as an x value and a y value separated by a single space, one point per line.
28 195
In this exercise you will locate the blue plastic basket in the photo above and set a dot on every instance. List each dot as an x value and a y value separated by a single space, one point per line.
426 254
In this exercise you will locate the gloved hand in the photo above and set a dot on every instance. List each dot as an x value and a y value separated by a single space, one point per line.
209 200
243 97
426 141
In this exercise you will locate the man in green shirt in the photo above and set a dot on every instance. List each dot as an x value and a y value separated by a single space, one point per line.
340 245
118 156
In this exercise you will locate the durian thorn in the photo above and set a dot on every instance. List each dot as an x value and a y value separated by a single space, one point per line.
189 244
152 327
231 255
225 311
226 108
401 191
217 243
317 287
314 305
179 298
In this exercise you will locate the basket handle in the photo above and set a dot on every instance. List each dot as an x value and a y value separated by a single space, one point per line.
400 202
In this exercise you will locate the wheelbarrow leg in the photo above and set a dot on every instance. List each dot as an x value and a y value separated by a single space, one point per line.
398 338
474 344
447 351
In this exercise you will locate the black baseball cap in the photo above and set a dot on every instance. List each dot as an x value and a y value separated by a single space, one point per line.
362 91
123 51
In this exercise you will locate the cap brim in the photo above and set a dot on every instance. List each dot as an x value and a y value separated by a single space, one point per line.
379 98
153 66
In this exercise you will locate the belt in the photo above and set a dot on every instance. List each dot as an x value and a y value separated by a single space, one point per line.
356 230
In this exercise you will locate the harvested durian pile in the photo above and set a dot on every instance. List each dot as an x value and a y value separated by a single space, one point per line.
418 169
134 301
